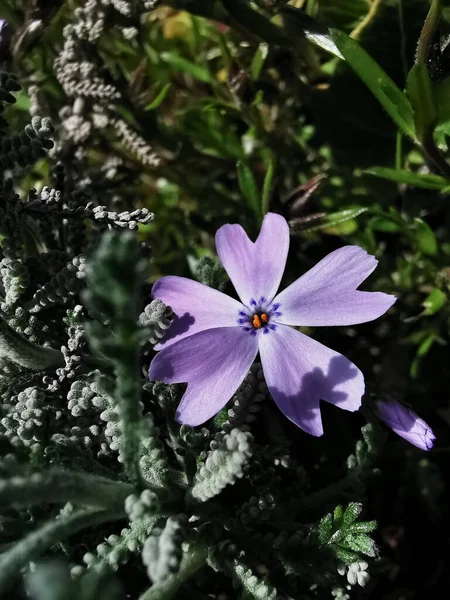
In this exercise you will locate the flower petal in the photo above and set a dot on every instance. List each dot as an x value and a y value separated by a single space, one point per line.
197 307
213 363
405 423
300 372
255 269
327 295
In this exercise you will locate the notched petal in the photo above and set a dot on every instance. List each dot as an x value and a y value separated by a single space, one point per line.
327 295
255 268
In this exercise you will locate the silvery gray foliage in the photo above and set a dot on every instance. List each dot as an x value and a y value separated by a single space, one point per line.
162 551
135 143
156 318
27 147
13 270
223 465
62 287
94 92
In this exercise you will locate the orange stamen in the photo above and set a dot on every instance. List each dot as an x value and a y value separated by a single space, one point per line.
256 322
264 318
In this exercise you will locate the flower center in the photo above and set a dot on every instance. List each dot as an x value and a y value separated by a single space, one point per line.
259 319
257 316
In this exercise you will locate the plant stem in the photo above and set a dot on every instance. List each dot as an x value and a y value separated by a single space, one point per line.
370 16
434 155
36 543
30 356
60 485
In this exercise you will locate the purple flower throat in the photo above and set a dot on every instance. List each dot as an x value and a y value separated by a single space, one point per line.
258 316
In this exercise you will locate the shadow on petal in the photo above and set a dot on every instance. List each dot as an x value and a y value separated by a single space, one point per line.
302 404
179 326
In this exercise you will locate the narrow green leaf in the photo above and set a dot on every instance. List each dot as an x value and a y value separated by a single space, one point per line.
433 303
393 100
242 14
365 527
267 186
341 45
422 180
179 63
425 346
325 529
258 61
352 512
247 185
338 515
333 219
159 98
296 21
426 240
421 96
361 543
345 555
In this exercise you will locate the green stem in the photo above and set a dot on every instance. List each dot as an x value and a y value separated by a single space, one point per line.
193 559
127 395
370 16
399 151
434 155
30 356
430 25
59 485
36 543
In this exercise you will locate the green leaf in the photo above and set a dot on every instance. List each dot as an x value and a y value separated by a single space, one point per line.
361 543
341 45
296 21
345 555
427 181
393 100
365 527
333 219
426 240
420 93
247 185
338 515
22 101
159 98
384 224
325 529
267 185
434 302
178 63
425 346
441 92
352 512
243 15
258 61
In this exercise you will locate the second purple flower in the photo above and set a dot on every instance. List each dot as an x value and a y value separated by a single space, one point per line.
214 339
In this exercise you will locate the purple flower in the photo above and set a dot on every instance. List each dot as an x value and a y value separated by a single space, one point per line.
214 339
405 423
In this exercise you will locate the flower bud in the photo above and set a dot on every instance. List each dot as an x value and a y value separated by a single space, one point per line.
405 423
